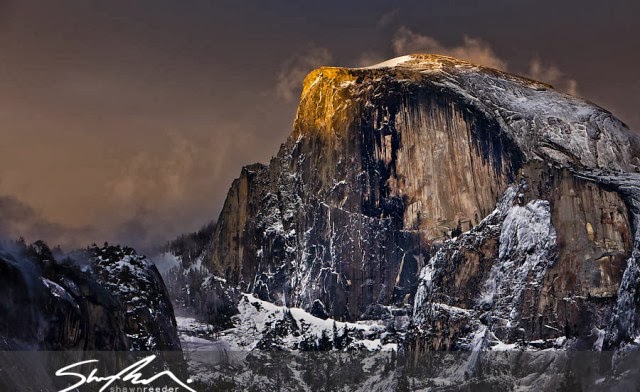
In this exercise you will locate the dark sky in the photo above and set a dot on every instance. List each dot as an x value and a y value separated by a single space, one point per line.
127 120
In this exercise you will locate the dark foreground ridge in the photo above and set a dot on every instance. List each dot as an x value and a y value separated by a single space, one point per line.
99 299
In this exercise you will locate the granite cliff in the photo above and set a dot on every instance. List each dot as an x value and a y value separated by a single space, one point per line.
486 203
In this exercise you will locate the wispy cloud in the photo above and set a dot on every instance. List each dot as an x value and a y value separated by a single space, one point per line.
297 67
552 75
474 50
370 57
479 51
22 220
156 178
388 18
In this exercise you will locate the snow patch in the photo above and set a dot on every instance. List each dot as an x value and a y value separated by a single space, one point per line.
527 249
390 63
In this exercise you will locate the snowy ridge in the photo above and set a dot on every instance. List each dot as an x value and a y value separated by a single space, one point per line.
390 63
491 222
263 324
527 242
527 247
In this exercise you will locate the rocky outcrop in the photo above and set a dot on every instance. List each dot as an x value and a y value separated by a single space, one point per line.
518 203
104 299
137 285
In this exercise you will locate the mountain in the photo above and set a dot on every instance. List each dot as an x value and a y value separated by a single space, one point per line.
489 204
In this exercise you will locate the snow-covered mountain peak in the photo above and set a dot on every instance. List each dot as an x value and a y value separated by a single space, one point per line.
545 124
421 62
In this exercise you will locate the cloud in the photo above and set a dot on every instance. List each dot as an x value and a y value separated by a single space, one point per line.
22 220
297 67
161 178
143 229
175 185
155 192
387 18
369 58
480 52
552 75
474 50
169 186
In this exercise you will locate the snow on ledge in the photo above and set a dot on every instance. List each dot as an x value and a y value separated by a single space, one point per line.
390 63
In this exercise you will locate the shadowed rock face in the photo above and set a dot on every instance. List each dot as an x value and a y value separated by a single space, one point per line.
110 299
386 165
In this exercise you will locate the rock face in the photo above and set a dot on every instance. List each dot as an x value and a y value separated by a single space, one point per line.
105 299
137 285
501 209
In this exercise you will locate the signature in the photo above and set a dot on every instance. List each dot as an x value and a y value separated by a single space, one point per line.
130 374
